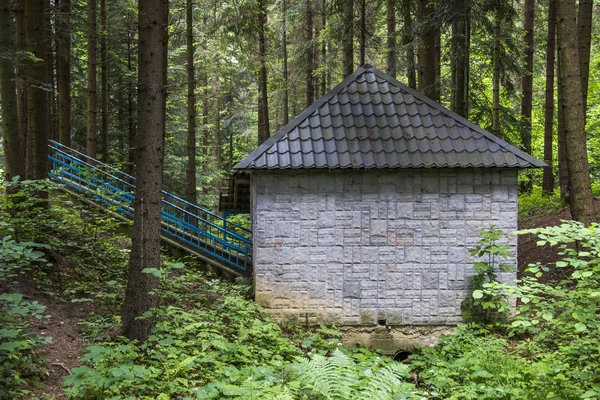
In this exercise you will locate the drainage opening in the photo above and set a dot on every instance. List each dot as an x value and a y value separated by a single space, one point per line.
402 356
381 322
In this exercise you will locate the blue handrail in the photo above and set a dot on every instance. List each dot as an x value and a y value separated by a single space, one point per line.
188 223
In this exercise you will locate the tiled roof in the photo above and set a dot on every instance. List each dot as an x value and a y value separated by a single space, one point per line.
371 120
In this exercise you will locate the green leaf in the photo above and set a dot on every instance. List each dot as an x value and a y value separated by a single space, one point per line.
561 264
580 327
477 294
153 271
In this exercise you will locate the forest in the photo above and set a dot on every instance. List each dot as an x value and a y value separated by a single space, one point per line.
177 92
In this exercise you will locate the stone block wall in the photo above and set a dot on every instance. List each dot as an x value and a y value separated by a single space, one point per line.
364 247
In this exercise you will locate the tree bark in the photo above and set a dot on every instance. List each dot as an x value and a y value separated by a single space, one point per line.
324 47
363 32
191 106
217 145
427 51
391 38
460 60
580 193
584 40
37 98
8 96
310 53
496 69
548 179
91 80
104 99
63 33
145 249
49 61
563 169
527 87
131 113
348 38
407 42
22 82
284 64
263 99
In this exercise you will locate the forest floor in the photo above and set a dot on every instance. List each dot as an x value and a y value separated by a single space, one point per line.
64 324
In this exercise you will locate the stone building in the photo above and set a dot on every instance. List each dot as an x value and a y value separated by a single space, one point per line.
364 207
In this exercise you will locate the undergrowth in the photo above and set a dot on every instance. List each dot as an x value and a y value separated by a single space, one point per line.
536 204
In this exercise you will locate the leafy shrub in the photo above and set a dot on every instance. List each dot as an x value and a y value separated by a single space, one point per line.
480 306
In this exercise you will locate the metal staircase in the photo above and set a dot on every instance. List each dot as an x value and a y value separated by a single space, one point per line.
192 228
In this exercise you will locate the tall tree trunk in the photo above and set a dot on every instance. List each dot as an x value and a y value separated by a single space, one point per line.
190 175
22 81
584 40
49 60
363 32
203 80
217 145
104 99
580 193
91 80
563 168
284 64
527 87
37 97
407 42
145 249
310 53
548 179
8 96
348 38
460 59
263 99
427 51
324 47
131 115
496 128
391 38
63 33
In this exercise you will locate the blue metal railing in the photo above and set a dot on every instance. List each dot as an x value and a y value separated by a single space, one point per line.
194 226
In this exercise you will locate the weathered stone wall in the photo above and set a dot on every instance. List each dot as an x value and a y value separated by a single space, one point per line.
364 247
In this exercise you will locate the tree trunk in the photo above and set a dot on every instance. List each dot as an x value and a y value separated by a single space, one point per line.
427 51
104 99
217 145
548 180
496 128
190 175
363 32
310 53
37 98
563 169
145 248
391 38
22 82
91 80
580 193
527 87
584 40
407 42
63 33
284 63
460 60
324 47
49 61
131 116
8 96
348 38
263 100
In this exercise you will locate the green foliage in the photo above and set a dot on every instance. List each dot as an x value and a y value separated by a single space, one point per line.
338 376
481 306
537 204
550 347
